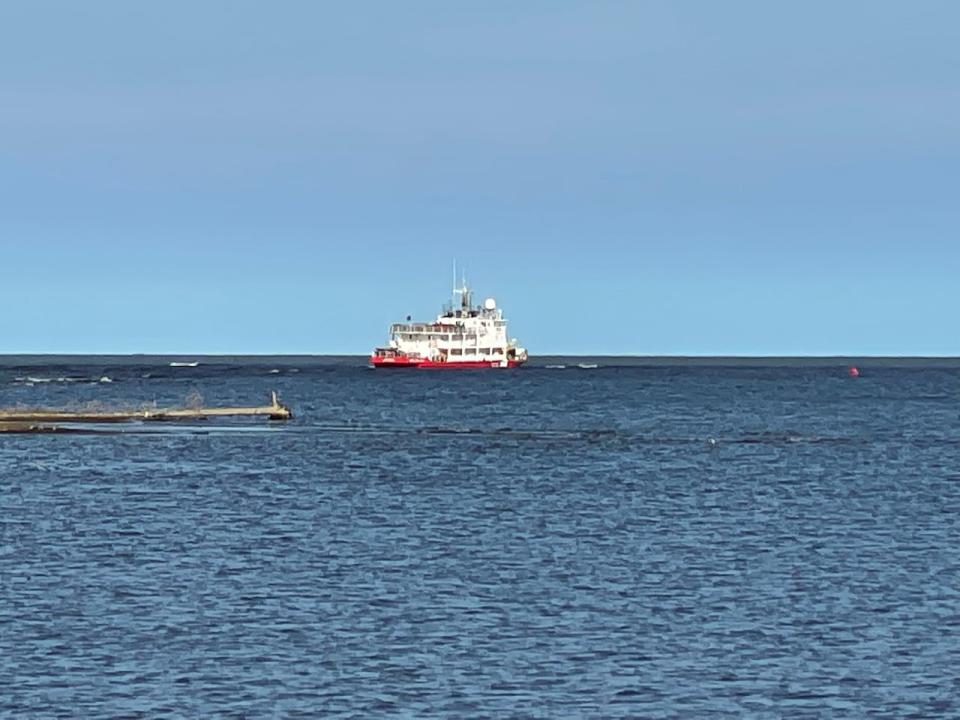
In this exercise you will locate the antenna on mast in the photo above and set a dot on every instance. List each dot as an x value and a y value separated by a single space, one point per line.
460 289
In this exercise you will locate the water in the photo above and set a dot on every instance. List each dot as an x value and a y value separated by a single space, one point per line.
649 541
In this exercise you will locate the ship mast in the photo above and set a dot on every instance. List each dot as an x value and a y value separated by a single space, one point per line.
453 294
462 291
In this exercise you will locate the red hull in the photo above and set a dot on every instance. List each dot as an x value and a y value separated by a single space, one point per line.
405 362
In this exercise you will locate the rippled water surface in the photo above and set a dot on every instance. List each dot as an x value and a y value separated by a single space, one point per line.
666 541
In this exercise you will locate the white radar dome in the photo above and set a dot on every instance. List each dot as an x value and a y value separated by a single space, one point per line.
490 304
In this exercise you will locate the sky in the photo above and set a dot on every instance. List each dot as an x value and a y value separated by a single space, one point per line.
656 178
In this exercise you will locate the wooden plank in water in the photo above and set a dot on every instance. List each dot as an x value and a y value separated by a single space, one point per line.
275 411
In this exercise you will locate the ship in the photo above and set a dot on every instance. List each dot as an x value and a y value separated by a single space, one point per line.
461 337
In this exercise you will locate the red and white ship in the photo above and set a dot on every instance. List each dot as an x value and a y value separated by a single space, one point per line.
462 337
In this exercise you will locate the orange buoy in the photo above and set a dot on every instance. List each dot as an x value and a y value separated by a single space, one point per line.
854 371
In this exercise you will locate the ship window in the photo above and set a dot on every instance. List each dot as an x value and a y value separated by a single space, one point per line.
484 351
470 351
498 351
456 351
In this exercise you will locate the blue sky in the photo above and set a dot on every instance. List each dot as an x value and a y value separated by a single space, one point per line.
625 177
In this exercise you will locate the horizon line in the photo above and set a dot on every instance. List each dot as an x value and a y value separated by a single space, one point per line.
668 356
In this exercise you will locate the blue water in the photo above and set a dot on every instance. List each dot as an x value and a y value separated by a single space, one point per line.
664 541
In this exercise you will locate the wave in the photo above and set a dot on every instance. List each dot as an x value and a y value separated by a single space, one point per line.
556 367
592 435
185 364
36 380
587 366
